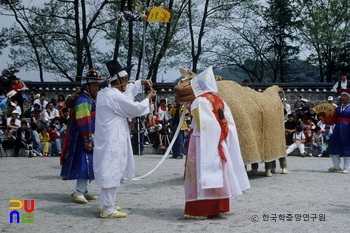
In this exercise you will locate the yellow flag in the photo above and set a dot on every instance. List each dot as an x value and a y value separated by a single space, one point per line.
159 14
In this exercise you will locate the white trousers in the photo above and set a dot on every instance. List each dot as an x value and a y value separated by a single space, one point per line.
107 198
292 147
81 187
336 162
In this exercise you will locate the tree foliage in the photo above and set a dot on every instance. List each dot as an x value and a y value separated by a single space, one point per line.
261 39
325 29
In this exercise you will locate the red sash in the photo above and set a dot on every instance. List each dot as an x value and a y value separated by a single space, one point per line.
343 119
218 105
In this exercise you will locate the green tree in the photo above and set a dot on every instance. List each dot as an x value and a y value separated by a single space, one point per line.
204 18
324 29
62 34
65 34
242 45
280 30
160 41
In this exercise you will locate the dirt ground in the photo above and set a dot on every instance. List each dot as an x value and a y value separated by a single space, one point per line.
308 199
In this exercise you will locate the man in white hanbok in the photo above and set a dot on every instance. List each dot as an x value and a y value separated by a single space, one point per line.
113 155
214 169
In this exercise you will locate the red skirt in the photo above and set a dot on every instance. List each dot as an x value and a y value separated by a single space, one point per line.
207 207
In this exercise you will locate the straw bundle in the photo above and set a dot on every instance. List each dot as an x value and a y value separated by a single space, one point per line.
259 120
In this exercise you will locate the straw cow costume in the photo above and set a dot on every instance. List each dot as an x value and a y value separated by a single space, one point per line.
259 118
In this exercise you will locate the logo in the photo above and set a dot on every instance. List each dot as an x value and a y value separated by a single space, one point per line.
27 217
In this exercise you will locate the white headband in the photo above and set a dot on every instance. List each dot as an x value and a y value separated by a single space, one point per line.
119 75
122 73
345 93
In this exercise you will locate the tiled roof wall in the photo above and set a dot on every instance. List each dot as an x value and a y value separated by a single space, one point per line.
315 92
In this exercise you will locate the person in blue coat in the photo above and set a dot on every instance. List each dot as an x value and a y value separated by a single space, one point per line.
339 142
76 157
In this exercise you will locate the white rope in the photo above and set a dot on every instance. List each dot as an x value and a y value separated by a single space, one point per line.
169 147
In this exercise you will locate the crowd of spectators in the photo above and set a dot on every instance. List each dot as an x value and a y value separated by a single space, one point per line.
48 120
45 120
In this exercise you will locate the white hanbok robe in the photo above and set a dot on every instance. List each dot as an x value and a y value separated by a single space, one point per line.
207 176
113 155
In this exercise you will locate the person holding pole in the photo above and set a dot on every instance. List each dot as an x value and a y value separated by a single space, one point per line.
113 155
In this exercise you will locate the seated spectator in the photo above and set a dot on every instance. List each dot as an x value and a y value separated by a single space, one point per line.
38 117
41 101
305 108
37 146
309 131
289 129
17 107
60 104
56 123
162 111
64 122
55 141
330 100
326 136
23 138
317 142
53 101
153 131
13 124
298 142
7 113
44 138
51 113
65 118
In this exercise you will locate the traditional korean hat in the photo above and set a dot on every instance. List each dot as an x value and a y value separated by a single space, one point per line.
204 82
91 77
116 70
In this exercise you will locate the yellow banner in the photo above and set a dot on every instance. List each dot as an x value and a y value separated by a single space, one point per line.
159 14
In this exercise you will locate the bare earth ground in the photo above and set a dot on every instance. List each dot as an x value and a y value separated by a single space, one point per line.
155 204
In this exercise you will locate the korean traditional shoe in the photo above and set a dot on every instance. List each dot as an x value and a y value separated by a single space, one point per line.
79 199
90 197
114 214
195 217
333 169
117 207
268 174
346 171
284 171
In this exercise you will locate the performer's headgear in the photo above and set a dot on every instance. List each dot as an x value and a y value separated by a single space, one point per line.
344 91
91 77
204 82
116 70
